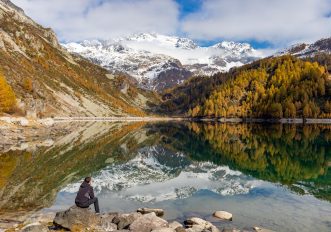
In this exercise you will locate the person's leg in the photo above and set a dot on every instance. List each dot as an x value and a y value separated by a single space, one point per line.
96 204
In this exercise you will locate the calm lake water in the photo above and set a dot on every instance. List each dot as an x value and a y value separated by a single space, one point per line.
274 176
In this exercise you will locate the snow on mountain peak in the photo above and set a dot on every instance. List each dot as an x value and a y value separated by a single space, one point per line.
235 47
160 61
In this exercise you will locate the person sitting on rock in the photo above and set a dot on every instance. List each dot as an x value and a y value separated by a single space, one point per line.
85 196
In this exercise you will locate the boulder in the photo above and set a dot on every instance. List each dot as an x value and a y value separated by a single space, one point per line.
76 216
123 221
106 222
198 228
180 229
106 227
223 215
164 230
147 223
158 212
174 225
197 224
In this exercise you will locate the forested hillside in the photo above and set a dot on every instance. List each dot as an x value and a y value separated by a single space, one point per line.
249 91
271 88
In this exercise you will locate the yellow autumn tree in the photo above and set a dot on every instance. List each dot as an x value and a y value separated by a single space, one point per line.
28 85
7 96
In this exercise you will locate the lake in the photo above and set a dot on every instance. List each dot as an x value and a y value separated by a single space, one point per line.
275 176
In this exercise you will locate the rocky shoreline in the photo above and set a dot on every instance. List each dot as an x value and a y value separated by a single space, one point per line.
143 220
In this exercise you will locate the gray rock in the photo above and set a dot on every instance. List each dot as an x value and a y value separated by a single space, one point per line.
223 215
158 212
106 222
164 230
147 223
198 228
123 221
107 226
198 225
174 225
180 229
77 216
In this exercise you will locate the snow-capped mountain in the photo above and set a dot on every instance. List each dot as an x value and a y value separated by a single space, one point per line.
159 62
304 50
157 174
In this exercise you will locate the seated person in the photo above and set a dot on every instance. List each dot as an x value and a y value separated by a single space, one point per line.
85 196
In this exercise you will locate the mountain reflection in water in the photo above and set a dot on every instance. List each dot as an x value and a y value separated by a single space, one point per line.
148 164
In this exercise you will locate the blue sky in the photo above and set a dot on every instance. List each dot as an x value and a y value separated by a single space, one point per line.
189 6
263 23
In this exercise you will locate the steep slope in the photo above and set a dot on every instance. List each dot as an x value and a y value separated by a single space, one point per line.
159 62
48 81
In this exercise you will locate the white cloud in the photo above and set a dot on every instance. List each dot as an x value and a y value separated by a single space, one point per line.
280 22
87 19
277 21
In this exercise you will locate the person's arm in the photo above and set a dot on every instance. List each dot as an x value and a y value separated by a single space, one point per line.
91 192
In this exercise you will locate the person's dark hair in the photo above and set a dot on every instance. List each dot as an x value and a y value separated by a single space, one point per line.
87 179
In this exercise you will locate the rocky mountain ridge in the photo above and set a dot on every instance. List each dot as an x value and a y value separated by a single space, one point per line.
307 50
159 62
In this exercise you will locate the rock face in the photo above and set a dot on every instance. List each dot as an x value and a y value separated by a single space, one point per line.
76 216
223 215
147 223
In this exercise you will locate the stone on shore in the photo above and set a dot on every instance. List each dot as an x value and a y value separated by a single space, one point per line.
123 221
180 229
223 215
164 230
174 225
77 216
158 212
196 224
147 223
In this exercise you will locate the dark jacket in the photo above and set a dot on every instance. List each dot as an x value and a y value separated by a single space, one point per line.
84 194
